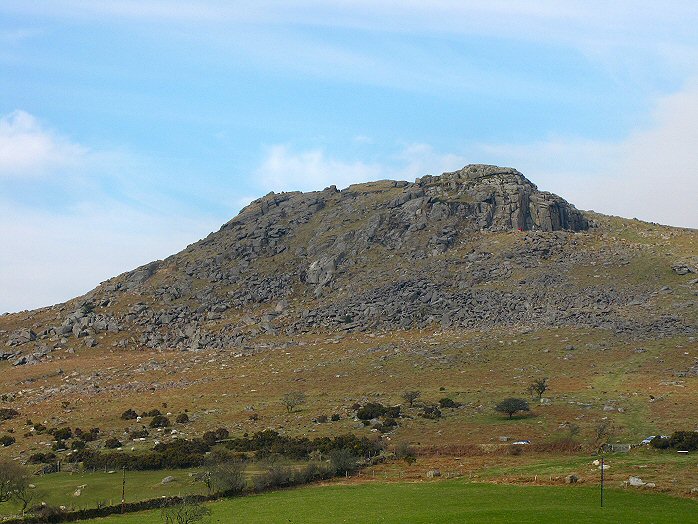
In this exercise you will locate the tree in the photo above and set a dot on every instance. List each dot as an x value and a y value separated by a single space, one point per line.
512 405
603 432
343 461
24 494
410 396
224 473
405 452
293 399
12 476
186 511
538 387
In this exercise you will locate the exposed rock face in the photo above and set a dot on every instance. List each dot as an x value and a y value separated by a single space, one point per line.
502 199
475 248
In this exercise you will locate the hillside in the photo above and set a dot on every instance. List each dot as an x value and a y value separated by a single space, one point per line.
467 285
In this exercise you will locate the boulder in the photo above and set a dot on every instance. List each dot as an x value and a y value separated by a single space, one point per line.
21 336
636 482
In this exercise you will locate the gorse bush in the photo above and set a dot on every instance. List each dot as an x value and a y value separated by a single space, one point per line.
112 443
129 414
373 410
679 440
160 421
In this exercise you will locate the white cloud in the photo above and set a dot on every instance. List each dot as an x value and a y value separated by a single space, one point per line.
27 149
285 170
651 174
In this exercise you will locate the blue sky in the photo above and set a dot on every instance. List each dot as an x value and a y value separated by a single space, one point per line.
129 129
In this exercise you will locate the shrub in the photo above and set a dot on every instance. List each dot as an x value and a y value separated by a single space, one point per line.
314 471
430 412
7 440
129 414
373 410
159 421
355 406
182 418
87 436
42 458
151 413
225 474
321 419
211 437
78 444
61 433
276 476
59 445
343 461
449 403
335 417
405 452
8 413
39 428
659 442
684 440
112 443
138 433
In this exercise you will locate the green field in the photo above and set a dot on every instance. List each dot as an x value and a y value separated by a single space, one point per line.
454 501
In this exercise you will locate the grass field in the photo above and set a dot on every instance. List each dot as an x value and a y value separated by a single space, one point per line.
447 501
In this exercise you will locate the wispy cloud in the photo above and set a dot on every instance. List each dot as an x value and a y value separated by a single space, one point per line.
28 149
285 169
651 174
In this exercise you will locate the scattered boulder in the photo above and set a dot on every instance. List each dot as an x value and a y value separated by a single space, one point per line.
433 473
168 479
21 336
572 478
681 268
636 482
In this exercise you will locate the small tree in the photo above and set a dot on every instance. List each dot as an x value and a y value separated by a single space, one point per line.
405 452
293 399
512 405
187 511
224 473
603 433
410 396
24 494
343 461
12 476
538 387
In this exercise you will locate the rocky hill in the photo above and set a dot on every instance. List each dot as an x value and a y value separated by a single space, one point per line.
476 248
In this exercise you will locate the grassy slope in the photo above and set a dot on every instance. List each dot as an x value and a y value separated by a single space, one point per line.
447 501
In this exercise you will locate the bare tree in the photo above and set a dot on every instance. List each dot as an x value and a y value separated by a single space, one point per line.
187 511
24 494
410 396
12 475
603 432
538 387
224 473
293 399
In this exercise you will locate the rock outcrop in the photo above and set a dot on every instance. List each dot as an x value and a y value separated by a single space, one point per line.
475 248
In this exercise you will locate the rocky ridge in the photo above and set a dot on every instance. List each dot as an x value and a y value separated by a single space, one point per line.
475 248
